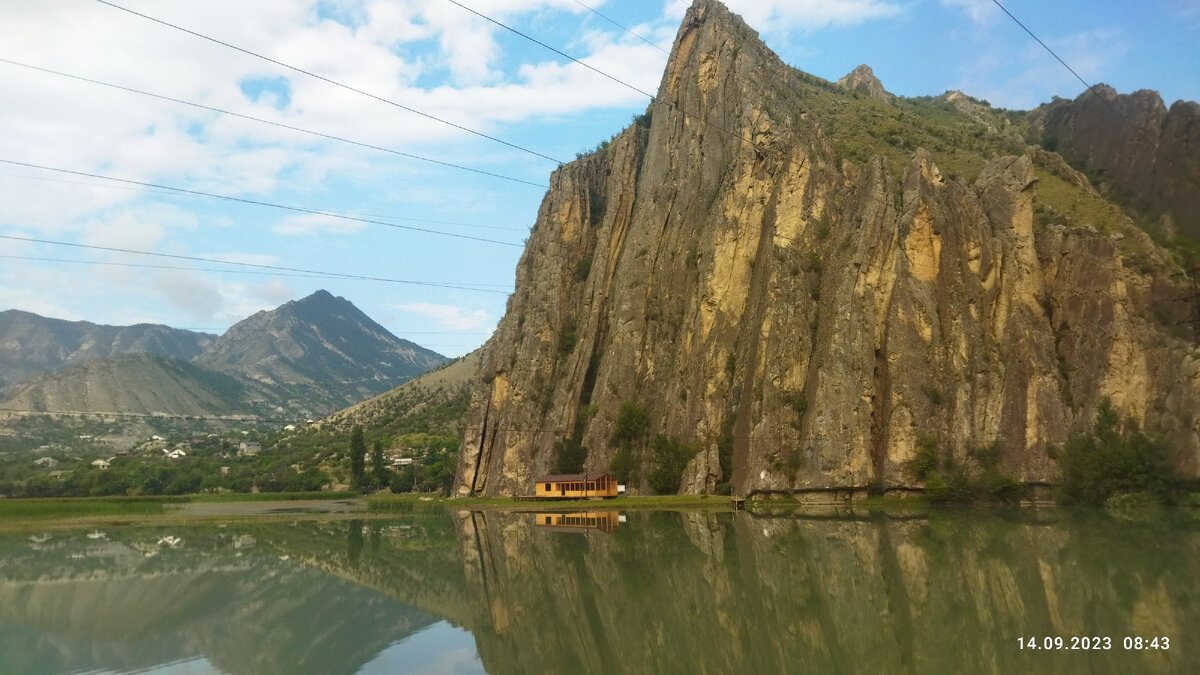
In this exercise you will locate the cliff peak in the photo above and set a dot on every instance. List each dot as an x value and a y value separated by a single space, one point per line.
862 79
736 294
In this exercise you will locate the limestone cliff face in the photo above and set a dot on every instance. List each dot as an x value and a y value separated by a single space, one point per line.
1149 152
805 321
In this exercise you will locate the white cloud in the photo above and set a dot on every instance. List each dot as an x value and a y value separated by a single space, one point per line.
315 223
980 11
770 16
1031 76
449 317
1188 12
191 292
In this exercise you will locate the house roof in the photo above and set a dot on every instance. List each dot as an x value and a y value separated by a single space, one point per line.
570 477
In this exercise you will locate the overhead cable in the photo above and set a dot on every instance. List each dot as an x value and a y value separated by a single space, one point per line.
1157 147
333 82
255 202
135 188
602 16
274 124
331 275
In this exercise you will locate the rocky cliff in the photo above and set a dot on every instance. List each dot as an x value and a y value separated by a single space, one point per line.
1147 152
779 276
862 80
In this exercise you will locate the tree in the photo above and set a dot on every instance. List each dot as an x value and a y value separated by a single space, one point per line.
671 456
379 472
628 435
358 457
1113 460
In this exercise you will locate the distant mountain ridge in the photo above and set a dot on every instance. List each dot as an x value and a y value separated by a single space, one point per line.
323 340
31 345
305 358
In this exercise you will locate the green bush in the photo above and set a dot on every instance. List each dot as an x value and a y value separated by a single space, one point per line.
950 482
926 458
1111 461
629 434
569 455
670 456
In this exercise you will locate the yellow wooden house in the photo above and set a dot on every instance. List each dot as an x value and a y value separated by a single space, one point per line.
576 486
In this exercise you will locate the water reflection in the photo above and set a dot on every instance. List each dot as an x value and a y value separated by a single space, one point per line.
604 521
656 592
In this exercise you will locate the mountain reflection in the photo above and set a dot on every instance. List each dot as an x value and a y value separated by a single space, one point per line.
663 592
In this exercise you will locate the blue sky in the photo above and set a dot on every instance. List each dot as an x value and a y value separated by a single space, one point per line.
436 57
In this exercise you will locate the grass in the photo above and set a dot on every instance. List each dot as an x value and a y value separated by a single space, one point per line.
82 507
15 512
270 496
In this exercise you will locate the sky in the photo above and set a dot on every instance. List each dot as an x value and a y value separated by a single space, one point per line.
350 127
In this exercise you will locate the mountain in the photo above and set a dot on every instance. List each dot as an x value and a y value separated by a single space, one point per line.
321 350
782 287
434 403
1149 154
133 383
305 359
31 345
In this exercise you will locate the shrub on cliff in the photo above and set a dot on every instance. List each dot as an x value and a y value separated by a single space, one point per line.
1112 460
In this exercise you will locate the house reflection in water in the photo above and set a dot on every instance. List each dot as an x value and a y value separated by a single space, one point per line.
605 521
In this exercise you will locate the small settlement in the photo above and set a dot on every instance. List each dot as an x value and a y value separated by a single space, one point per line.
576 486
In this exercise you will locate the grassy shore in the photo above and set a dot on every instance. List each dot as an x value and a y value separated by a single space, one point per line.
272 496
85 510
82 507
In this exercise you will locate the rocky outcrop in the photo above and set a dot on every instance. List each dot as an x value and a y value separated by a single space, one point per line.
862 80
1150 154
805 323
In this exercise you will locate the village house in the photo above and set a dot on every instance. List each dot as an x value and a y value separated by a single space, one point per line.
576 486
249 448
102 464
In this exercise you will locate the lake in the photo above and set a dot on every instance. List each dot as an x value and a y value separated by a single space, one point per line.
606 592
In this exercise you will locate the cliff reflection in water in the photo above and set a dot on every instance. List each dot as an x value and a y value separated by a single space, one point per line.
663 592
723 593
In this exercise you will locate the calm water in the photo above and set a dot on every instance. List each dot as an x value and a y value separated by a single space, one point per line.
644 592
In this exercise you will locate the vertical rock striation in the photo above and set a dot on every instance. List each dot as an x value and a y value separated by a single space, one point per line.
805 322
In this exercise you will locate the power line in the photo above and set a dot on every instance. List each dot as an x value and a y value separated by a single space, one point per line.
653 99
331 275
243 200
593 11
135 188
333 82
1157 147
274 124
543 44
160 267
